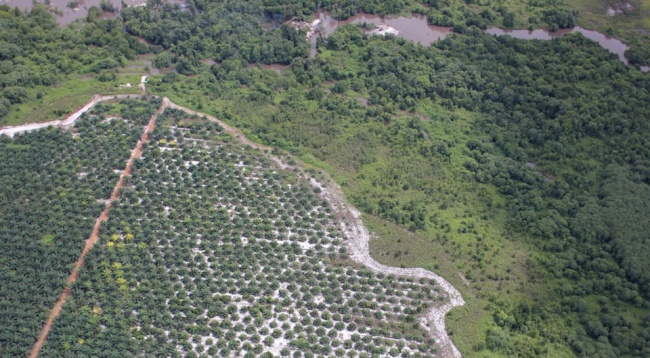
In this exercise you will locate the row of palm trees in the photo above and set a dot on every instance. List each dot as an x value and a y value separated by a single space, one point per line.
50 184
235 262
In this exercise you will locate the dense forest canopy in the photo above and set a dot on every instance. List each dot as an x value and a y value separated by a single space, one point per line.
477 148
235 29
35 53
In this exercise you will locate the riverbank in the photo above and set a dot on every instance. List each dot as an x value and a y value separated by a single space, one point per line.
417 29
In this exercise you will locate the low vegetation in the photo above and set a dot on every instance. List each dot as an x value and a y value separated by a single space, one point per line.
46 71
494 152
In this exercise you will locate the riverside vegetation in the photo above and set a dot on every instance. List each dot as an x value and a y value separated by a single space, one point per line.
518 170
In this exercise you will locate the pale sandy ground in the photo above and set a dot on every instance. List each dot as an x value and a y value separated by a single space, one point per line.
10 131
357 234
358 238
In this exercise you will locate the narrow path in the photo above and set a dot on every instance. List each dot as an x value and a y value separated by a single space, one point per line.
357 234
143 81
11 130
94 236
358 243
228 128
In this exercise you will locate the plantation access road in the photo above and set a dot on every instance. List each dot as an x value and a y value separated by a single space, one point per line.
357 234
11 131
71 119
94 236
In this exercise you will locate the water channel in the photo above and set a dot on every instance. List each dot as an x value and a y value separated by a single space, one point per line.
611 44
416 28
69 15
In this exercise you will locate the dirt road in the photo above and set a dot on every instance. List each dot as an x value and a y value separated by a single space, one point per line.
10 131
358 243
94 236
357 235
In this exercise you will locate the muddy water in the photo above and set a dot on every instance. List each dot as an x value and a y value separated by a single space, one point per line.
70 15
613 45
414 28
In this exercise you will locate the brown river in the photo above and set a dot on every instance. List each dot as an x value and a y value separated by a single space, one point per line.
414 28
71 14
611 44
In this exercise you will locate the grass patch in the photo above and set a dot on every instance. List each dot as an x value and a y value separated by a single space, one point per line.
625 26
47 103
141 65
310 159
17 146
47 239
467 240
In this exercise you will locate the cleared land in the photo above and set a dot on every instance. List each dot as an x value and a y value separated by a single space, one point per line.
94 236
312 295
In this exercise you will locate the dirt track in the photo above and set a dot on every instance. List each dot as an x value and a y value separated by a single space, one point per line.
10 131
358 236
56 310
358 243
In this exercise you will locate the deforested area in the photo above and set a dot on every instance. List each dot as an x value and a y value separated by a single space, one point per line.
496 150
54 184
212 250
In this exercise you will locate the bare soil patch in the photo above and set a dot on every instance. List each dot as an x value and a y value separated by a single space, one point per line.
358 238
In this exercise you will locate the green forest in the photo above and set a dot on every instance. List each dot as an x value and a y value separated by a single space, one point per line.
516 169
